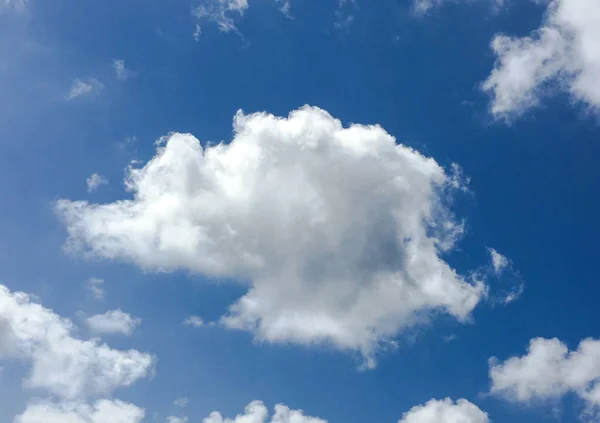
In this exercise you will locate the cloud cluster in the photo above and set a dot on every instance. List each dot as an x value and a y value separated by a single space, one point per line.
548 372
68 368
113 321
445 411
103 411
256 412
338 231
563 54
221 12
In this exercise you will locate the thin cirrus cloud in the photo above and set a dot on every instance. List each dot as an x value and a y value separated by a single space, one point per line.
113 322
338 231
70 370
84 87
548 372
562 55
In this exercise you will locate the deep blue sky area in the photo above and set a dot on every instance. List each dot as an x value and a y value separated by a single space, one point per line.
533 191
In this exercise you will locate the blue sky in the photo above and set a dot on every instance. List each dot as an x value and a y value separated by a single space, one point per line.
311 217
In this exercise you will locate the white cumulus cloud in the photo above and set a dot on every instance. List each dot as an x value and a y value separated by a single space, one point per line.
338 231
563 54
445 411
61 364
103 411
550 371
256 412
113 321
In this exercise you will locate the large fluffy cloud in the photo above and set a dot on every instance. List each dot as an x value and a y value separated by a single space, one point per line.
549 371
563 54
103 411
445 411
256 412
339 232
61 363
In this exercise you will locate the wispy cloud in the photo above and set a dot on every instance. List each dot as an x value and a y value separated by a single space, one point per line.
95 286
83 87
194 321
94 181
121 70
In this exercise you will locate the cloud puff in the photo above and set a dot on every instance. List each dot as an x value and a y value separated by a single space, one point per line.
563 54
338 232
499 261
194 321
445 411
256 412
103 411
95 286
113 321
94 181
548 372
83 87
63 365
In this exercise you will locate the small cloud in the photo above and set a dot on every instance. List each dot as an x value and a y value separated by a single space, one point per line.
194 321
16 5
95 286
197 32
113 322
449 338
344 16
175 419
284 6
94 181
181 402
499 261
514 294
83 87
121 71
